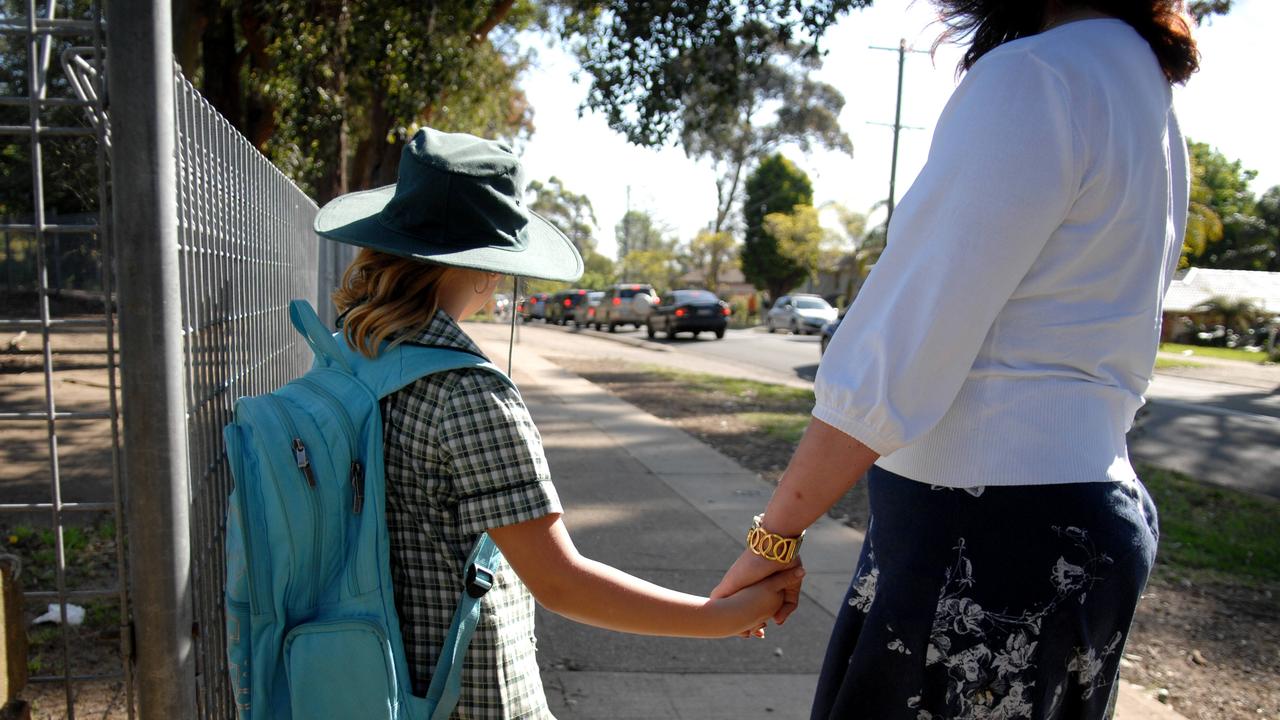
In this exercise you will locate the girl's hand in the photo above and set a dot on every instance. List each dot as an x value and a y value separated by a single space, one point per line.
751 568
746 610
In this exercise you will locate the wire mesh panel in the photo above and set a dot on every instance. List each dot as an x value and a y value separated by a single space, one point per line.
60 482
247 248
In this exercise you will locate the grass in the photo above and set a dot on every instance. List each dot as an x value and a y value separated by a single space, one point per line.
1215 352
1207 531
738 390
1214 530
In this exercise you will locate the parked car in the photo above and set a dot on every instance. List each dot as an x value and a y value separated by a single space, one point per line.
801 314
534 307
828 331
588 308
563 306
625 304
691 311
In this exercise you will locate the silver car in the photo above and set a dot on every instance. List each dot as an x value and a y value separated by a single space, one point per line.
801 314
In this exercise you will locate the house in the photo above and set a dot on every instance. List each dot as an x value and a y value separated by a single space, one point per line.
731 283
1190 290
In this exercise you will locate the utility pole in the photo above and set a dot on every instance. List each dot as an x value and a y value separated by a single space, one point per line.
626 236
897 126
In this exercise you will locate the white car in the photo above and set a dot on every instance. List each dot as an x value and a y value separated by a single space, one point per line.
801 314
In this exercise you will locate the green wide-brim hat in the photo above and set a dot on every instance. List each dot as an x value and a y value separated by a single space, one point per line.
458 200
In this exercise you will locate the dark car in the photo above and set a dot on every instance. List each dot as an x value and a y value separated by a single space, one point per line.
563 307
534 307
691 311
829 330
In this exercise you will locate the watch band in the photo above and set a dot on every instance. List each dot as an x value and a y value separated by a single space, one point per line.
772 546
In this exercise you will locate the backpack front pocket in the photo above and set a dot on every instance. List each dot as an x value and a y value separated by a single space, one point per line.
340 669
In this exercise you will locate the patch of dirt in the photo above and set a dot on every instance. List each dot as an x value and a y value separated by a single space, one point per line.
1213 646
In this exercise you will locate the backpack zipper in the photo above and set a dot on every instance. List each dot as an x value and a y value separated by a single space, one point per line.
355 474
356 471
317 502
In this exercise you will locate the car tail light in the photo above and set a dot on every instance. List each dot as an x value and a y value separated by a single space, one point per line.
617 301
727 312
591 312
567 302
679 312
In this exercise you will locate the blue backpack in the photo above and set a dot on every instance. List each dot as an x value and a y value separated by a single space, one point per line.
312 630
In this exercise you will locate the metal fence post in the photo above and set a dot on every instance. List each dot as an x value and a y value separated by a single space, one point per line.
144 180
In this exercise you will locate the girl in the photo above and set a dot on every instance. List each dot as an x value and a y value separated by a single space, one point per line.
462 455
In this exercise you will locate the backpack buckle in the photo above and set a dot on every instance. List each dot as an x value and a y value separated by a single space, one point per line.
479 580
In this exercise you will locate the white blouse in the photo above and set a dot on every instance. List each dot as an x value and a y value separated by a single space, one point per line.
1009 330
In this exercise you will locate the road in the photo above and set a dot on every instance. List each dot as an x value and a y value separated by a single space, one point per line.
1221 432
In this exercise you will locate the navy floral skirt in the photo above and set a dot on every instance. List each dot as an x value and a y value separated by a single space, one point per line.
989 603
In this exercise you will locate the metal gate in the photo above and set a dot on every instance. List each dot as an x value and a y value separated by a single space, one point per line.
61 480
212 243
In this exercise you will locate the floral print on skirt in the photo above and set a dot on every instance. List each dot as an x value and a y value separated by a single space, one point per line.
993 603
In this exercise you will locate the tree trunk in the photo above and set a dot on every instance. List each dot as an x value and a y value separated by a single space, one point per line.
221 64
260 115
190 18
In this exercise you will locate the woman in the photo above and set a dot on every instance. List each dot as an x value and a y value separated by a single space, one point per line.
462 454
990 369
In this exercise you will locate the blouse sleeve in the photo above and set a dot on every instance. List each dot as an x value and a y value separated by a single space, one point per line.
499 470
1000 178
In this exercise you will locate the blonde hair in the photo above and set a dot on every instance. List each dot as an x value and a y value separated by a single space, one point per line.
383 295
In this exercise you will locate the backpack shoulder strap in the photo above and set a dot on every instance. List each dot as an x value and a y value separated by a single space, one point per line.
399 366
327 349
446 681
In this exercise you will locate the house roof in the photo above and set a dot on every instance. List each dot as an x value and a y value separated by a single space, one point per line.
1198 285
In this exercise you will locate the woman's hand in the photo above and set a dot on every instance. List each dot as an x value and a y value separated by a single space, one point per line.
750 568
747 609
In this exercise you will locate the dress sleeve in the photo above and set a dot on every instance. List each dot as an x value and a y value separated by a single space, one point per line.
1000 178
499 470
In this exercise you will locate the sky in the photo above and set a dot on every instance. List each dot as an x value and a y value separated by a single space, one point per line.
1230 104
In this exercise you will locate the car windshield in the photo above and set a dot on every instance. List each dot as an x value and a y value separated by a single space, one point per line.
696 296
632 291
594 297
811 303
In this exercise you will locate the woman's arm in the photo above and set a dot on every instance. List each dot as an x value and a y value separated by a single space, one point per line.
581 589
825 465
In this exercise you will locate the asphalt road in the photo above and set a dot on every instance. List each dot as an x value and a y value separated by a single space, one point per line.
1217 431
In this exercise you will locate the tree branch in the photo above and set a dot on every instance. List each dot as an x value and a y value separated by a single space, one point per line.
496 15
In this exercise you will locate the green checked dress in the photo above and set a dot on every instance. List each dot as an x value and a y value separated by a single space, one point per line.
463 456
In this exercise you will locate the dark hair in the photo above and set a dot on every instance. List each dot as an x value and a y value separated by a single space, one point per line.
991 23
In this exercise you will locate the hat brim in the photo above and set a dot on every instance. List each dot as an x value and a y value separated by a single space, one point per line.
353 218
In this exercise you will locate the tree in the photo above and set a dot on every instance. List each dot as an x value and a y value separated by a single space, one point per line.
776 185
731 80
567 210
711 253
657 267
331 89
799 238
1220 194
640 231
599 272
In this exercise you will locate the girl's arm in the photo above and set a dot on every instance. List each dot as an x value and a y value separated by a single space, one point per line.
581 589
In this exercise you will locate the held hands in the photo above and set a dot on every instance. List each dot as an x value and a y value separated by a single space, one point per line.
750 569
748 606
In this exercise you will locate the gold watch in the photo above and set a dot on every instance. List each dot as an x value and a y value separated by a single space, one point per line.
772 546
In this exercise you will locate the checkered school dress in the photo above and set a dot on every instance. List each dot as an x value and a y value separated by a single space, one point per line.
462 456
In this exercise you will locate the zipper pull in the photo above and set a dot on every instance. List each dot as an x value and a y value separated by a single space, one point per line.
300 457
357 487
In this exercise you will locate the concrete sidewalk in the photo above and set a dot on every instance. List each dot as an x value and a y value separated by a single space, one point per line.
650 499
